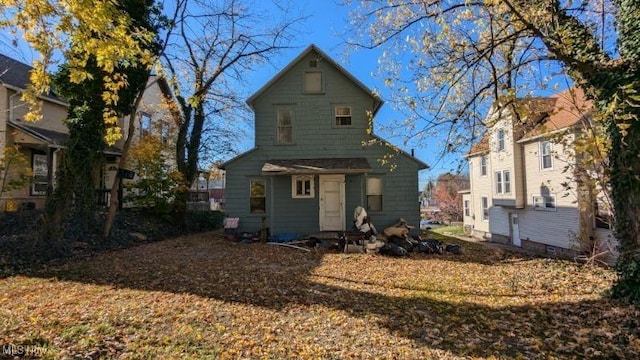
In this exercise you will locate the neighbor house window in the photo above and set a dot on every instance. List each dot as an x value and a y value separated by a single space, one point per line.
506 175
467 211
285 126
40 168
483 166
145 124
485 207
498 182
312 82
374 194
302 186
546 160
544 202
343 115
500 139
257 197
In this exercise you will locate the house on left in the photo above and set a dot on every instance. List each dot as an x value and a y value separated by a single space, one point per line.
42 143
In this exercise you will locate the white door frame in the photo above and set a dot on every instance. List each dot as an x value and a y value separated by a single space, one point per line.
323 222
514 224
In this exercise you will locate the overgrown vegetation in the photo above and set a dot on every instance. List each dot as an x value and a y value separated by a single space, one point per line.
202 297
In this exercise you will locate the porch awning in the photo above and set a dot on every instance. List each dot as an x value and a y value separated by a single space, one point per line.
39 137
316 166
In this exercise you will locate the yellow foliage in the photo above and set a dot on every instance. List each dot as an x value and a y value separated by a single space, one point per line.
78 29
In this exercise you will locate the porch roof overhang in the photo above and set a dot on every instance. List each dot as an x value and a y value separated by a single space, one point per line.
39 137
316 166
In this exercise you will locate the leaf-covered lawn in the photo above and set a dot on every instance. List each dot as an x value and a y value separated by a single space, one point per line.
202 297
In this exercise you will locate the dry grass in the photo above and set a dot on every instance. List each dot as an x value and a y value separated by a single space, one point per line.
201 297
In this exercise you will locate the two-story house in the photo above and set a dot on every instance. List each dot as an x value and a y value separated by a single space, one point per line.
42 143
311 167
523 188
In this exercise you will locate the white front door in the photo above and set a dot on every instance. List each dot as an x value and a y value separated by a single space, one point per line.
515 230
332 203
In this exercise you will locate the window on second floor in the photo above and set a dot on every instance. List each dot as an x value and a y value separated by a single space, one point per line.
343 115
285 126
483 165
312 82
374 194
500 139
546 159
503 182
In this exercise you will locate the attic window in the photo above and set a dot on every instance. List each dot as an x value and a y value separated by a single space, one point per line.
312 82
313 63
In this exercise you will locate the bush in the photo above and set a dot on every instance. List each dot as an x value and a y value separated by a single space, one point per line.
198 221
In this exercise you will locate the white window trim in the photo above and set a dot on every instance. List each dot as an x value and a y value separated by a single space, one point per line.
503 182
482 208
483 168
294 186
33 191
498 140
467 209
542 155
336 116
370 192
538 208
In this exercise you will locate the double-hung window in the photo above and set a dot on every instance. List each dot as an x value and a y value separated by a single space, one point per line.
285 125
374 194
483 165
257 197
546 159
500 139
485 207
503 182
40 168
145 124
467 211
343 115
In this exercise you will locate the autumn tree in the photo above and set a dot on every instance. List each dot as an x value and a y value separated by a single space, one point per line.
211 48
447 198
464 56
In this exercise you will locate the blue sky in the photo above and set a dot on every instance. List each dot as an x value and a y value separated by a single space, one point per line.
325 28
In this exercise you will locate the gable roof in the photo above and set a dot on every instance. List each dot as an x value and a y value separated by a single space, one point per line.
544 115
16 76
377 100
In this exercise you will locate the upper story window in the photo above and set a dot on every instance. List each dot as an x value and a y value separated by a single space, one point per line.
483 165
500 139
374 194
40 168
343 115
546 160
145 124
312 82
503 182
285 126
302 186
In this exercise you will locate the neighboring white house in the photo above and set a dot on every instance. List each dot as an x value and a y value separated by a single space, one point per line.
523 188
